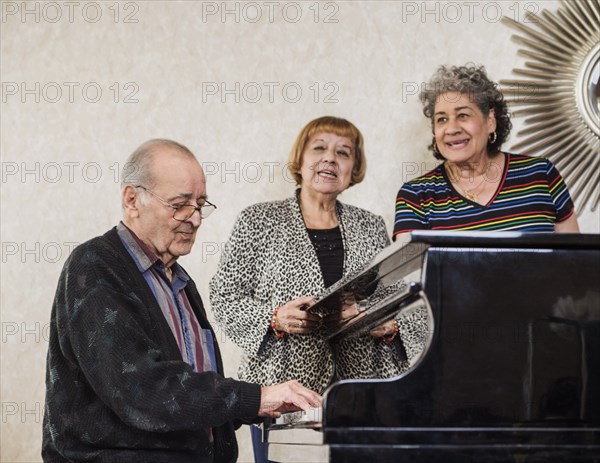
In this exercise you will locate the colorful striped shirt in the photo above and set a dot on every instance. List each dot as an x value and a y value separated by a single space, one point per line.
195 343
531 196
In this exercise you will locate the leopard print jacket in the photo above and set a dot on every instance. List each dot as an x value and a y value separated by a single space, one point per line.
270 260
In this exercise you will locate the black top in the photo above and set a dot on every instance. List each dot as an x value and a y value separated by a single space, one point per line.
329 247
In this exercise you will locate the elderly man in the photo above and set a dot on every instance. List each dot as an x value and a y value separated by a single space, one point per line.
134 372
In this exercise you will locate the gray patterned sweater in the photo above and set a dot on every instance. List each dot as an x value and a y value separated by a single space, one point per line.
117 389
270 260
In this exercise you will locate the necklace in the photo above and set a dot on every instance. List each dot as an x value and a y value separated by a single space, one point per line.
469 193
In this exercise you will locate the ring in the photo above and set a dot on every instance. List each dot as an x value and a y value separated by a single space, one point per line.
301 324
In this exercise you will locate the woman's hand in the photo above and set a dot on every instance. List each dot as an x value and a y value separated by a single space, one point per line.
295 318
385 330
349 309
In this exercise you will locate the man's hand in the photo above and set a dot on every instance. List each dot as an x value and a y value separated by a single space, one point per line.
290 396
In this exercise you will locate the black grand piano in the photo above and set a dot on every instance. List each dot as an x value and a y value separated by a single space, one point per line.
511 372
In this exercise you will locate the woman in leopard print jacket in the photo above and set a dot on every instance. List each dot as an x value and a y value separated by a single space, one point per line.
283 253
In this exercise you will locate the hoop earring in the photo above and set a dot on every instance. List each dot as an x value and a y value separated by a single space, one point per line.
435 147
492 137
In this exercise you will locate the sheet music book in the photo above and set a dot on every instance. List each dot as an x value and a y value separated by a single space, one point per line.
378 289
391 265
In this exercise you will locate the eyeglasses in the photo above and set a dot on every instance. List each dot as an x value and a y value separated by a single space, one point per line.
183 212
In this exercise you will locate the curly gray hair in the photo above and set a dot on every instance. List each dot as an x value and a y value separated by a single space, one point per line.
473 81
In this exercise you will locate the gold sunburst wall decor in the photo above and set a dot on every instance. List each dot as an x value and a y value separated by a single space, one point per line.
558 93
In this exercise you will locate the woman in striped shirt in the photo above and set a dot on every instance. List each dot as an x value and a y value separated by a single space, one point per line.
479 187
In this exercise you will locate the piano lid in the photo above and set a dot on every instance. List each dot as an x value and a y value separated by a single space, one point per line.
505 239
381 287
401 259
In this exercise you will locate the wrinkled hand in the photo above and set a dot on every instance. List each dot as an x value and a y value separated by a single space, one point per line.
295 318
290 396
348 310
384 330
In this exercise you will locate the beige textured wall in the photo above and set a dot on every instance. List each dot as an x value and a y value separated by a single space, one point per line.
84 83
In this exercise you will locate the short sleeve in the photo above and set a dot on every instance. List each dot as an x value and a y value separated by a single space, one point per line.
410 215
559 193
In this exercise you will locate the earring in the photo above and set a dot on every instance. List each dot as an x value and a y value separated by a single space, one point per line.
435 147
492 137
